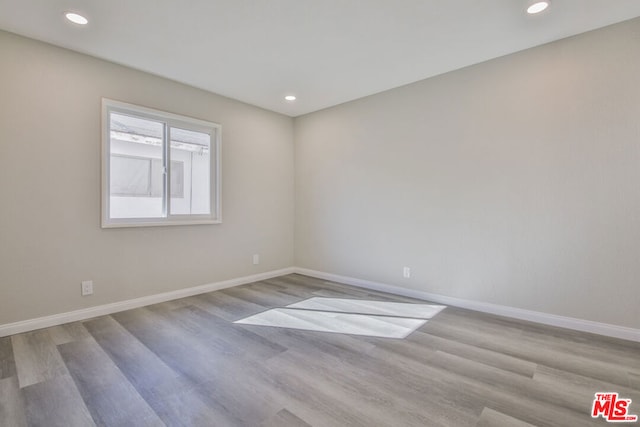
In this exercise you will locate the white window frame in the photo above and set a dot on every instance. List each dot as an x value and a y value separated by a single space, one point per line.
169 120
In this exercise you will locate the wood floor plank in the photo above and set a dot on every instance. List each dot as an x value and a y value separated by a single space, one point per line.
200 363
193 359
321 285
7 361
181 403
277 285
291 294
182 352
481 355
318 341
580 388
596 347
56 403
226 306
172 305
491 418
634 380
483 385
250 401
284 418
69 332
226 338
542 394
173 397
262 295
142 367
37 358
325 288
520 347
372 395
109 396
12 411
318 400
462 319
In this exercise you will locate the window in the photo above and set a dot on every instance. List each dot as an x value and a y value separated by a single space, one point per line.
158 168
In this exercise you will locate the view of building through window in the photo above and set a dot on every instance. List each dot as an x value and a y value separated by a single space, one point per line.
151 160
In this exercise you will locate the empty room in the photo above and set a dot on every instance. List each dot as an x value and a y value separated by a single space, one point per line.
319 213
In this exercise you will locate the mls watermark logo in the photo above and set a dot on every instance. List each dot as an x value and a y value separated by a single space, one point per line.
612 408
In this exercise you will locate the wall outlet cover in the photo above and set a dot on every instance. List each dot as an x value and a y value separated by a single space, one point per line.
87 288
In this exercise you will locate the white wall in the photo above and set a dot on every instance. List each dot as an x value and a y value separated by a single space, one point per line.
50 235
514 182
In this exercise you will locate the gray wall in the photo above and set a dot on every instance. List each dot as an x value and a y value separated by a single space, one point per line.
50 235
513 182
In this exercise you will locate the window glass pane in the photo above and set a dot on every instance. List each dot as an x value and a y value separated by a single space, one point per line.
157 179
190 172
135 173
130 176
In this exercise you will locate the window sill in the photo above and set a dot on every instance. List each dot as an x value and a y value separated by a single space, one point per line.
147 223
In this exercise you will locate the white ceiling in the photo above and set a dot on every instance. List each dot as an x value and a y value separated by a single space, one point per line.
324 51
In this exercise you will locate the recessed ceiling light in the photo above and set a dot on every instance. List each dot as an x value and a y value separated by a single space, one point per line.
290 98
537 6
76 19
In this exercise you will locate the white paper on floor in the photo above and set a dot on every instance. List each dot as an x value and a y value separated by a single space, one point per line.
348 316
343 323
386 308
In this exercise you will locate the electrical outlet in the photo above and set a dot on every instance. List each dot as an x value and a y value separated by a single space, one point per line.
87 288
406 272
256 259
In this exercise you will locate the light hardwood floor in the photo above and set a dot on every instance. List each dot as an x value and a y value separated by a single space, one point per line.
185 363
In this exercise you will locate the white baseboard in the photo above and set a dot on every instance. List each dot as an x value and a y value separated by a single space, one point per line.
101 310
605 329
